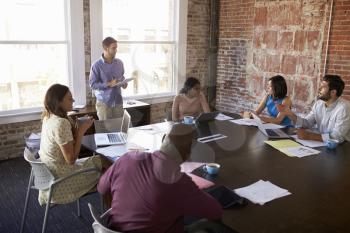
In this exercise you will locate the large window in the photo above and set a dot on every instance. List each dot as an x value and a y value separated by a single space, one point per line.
149 38
35 51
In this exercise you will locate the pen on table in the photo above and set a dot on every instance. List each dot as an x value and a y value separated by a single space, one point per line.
210 137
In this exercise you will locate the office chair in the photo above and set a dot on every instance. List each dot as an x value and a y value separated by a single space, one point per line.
99 225
41 178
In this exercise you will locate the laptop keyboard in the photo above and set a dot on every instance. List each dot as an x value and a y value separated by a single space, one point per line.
271 132
113 138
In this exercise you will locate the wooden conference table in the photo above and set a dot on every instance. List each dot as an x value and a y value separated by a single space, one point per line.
320 184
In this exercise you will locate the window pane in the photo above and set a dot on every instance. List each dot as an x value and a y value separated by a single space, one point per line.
27 71
32 20
145 20
153 71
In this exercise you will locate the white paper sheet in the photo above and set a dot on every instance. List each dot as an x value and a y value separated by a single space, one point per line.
188 167
79 106
244 121
309 143
119 150
273 126
300 151
261 192
112 151
223 117
155 129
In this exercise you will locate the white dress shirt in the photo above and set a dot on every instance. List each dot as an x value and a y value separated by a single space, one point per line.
331 122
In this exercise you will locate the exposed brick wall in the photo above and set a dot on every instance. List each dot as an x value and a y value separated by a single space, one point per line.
198 40
159 112
259 39
12 135
12 138
339 43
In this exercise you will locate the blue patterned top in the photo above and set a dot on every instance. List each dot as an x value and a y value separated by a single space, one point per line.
273 111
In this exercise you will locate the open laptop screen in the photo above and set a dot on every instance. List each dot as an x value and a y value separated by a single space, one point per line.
126 122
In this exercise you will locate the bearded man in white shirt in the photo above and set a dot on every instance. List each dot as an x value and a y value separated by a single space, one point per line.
330 115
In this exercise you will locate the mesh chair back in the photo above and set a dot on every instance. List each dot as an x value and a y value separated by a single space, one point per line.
42 175
108 126
98 225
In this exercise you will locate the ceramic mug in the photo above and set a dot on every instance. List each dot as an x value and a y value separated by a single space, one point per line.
188 120
331 143
211 168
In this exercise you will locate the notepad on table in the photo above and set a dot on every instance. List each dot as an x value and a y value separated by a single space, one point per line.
292 148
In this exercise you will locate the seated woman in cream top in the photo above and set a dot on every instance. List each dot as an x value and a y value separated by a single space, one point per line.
190 102
60 146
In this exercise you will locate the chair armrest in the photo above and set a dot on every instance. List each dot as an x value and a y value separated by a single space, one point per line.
86 170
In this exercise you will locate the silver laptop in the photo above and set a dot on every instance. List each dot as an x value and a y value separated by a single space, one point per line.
114 138
271 133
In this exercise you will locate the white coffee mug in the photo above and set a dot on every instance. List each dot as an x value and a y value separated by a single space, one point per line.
188 120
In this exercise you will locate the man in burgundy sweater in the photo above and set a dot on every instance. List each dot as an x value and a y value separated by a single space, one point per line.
150 193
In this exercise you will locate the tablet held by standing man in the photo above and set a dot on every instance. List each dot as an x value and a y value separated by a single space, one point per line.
105 79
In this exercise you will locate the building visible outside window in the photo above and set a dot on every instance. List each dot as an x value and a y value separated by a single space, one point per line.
150 35
33 51
38 45
123 34
148 49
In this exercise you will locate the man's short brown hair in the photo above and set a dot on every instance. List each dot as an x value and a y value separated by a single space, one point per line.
108 41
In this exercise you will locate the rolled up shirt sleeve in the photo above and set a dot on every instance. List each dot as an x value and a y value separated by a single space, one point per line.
307 122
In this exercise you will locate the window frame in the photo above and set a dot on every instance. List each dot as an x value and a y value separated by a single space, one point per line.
181 8
74 25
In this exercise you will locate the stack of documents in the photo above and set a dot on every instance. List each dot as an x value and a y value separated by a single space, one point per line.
261 192
309 143
292 148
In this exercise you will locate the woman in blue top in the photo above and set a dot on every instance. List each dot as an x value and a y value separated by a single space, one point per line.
275 101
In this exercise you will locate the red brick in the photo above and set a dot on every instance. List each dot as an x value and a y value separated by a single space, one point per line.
284 14
270 39
299 40
259 61
313 40
285 41
273 63
258 37
304 90
256 85
306 66
260 16
288 65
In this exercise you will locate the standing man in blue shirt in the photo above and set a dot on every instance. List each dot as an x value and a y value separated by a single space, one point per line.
105 75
